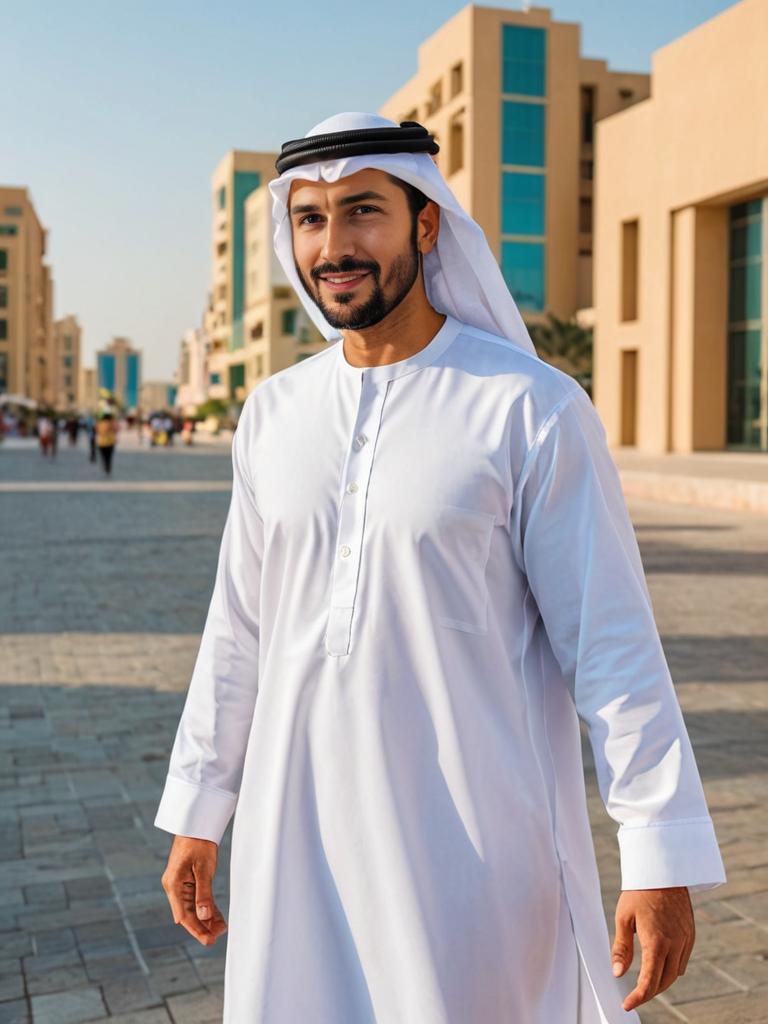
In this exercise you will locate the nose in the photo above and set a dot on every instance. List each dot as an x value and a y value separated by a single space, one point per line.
337 241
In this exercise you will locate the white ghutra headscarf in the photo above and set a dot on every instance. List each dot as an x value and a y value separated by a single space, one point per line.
461 274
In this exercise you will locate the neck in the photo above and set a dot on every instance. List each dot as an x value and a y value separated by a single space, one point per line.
408 329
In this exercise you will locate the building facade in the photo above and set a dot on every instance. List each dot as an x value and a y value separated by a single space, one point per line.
681 310
27 353
118 369
88 390
67 337
513 105
192 370
254 320
157 396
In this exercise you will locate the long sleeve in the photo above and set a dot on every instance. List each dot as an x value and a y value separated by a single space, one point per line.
580 555
206 761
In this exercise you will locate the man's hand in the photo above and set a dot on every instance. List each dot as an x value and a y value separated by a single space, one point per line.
663 920
188 884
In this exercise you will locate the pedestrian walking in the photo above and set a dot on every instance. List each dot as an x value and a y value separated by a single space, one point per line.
106 439
425 580
90 431
45 432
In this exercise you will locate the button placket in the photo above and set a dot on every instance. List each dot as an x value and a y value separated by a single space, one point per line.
357 471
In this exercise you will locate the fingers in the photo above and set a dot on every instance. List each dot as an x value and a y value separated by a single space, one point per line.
653 966
622 950
187 882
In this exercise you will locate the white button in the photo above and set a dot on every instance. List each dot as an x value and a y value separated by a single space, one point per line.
351 488
360 440
345 550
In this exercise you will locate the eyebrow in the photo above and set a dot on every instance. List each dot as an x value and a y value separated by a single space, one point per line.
346 201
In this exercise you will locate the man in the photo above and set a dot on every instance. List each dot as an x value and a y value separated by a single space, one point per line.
427 575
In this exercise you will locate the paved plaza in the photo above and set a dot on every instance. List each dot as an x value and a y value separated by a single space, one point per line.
105 586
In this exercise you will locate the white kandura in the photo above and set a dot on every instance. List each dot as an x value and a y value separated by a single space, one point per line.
427 575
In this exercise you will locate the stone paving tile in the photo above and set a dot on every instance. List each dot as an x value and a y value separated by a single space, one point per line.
99 628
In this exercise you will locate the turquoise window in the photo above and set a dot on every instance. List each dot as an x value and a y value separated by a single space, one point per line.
522 204
214 378
746 358
8 229
524 60
67 360
131 380
245 183
3 259
3 330
522 133
236 378
222 197
106 370
289 321
522 264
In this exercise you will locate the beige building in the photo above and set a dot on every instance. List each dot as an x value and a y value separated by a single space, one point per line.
88 390
253 321
513 105
681 341
157 396
118 370
66 342
192 370
27 354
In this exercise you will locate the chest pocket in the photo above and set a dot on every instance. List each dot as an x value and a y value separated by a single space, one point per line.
454 559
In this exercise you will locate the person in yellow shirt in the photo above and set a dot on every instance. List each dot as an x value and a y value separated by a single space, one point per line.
106 439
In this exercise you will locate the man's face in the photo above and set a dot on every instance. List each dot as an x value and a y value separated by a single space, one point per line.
354 246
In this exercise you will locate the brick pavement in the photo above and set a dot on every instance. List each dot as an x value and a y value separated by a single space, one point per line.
103 601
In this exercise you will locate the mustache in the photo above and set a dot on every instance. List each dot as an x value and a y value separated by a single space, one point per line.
345 267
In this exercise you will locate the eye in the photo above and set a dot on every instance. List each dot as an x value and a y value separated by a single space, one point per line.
305 218
365 209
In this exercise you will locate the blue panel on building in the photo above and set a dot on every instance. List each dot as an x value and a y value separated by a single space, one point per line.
131 397
524 60
522 264
106 370
522 203
522 133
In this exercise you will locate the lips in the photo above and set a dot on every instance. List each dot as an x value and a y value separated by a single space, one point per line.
343 282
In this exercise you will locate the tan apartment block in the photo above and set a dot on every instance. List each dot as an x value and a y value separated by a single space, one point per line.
87 392
27 358
66 342
681 339
278 331
513 105
255 322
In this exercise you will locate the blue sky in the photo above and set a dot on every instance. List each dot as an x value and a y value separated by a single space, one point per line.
125 109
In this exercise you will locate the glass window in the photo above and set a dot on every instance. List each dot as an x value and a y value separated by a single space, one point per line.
3 296
456 139
3 371
522 264
67 360
522 204
524 60
3 259
222 197
13 211
522 134
288 325
214 378
744 374
8 229
3 330
588 114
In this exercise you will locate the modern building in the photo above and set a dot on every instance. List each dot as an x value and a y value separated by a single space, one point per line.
681 283
118 369
66 342
253 320
191 372
27 356
513 104
157 396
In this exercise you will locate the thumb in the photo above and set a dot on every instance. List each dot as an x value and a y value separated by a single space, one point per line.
203 893
622 950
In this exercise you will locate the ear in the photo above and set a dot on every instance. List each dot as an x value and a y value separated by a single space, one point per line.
428 227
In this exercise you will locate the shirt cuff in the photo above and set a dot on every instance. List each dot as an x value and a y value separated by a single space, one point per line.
200 812
670 853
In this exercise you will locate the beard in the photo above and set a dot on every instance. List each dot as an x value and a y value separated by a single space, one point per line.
343 313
